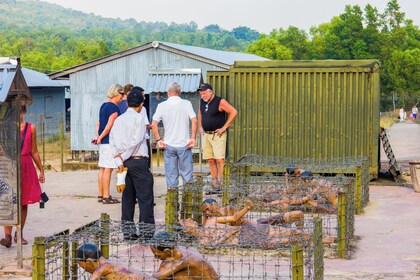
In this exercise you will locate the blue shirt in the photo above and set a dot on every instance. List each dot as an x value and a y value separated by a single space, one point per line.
106 110
123 105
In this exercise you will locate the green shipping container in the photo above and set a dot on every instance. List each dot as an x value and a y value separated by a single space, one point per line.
303 109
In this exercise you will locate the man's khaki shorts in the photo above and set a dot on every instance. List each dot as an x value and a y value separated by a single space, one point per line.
214 146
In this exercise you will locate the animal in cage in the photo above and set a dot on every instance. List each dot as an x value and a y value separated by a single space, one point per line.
90 258
179 262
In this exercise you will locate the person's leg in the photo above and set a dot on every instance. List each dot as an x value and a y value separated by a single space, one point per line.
100 188
208 154
220 162
186 164
106 181
171 167
128 201
213 172
143 185
7 240
24 214
219 151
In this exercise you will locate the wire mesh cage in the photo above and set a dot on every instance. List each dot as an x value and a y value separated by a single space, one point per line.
356 167
186 253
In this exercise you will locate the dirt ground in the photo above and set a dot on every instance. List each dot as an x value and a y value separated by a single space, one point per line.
387 242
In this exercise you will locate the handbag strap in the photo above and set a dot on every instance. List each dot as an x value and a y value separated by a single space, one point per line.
22 140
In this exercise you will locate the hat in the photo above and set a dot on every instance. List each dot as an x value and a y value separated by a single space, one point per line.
205 87
135 98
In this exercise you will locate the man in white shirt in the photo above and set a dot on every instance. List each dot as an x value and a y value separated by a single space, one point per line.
176 114
143 113
128 138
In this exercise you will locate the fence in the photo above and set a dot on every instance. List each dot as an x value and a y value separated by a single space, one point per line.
54 257
356 167
52 140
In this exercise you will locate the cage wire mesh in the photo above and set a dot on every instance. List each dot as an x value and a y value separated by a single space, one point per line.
357 167
330 198
229 251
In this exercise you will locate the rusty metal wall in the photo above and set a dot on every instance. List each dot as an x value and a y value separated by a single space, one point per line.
303 109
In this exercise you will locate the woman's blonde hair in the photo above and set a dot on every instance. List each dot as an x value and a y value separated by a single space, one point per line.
114 90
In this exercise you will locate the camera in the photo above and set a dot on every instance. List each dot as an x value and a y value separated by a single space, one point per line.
94 141
44 198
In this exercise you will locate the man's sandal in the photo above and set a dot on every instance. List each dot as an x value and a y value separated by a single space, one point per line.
6 241
110 200
100 198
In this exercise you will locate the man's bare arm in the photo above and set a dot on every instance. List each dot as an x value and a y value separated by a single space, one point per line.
171 269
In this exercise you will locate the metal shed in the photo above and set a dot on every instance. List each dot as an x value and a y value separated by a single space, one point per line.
303 109
90 81
49 96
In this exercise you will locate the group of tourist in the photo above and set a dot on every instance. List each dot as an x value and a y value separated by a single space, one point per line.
123 135
123 132
402 116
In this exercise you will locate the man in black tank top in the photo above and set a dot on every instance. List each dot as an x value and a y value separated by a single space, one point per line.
212 117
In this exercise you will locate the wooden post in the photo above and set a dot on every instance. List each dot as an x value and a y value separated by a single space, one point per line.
38 259
104 238
66 258
73 268
42 127
197 199
358 190
297 262
341 224
186 203
62 146
171 210
226 184
318 250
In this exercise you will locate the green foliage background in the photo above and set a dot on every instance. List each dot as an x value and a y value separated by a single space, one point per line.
50 38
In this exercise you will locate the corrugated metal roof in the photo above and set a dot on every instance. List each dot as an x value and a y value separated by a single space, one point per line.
12 81
216 55
38 79
7 75
159 80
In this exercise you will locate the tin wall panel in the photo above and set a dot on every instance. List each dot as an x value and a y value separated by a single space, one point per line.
304 111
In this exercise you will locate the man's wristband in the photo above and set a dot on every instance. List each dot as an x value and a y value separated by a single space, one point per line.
158 140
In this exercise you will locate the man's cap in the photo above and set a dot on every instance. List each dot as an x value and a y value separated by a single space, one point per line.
205 86
135 98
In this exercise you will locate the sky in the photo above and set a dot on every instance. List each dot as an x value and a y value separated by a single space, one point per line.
260 15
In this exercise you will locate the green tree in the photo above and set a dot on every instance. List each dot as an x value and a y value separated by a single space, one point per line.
293 39
270 48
